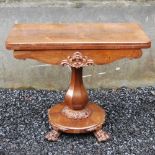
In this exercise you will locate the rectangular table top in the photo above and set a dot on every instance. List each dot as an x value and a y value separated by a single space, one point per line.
77 36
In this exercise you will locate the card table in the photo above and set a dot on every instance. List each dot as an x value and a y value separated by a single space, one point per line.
77 45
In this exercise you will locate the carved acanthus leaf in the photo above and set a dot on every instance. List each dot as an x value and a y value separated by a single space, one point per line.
77 60
76 114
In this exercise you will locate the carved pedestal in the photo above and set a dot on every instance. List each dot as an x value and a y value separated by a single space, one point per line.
76 115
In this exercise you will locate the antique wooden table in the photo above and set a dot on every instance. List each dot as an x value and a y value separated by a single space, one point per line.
77 46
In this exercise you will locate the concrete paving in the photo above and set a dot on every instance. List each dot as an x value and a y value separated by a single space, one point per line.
24 74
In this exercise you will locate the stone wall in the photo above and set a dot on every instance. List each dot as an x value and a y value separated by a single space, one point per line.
29 73
69 3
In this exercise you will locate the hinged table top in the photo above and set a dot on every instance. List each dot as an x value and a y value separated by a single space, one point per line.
77 36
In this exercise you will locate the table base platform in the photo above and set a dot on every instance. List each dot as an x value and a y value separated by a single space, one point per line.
93 120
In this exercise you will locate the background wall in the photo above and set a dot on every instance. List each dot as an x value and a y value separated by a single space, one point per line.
24 74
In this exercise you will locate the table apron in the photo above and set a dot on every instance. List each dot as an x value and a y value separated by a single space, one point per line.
99 57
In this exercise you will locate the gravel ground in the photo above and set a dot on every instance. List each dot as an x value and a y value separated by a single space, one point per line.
130 121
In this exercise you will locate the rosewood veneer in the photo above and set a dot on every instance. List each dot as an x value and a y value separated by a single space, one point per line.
77 45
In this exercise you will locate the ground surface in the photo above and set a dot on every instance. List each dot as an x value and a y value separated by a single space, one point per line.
130 121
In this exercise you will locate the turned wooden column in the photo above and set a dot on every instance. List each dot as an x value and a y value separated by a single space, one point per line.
76 97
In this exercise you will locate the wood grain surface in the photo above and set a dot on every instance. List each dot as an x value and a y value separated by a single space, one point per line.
99 56
77 36
64 124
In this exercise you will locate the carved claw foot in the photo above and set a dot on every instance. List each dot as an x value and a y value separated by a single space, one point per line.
101 135
53 135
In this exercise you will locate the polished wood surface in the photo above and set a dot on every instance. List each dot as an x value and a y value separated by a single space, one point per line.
99 56
62 123
76 97
77 36
77 46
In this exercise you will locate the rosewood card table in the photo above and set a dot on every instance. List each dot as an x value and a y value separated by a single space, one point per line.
77 45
